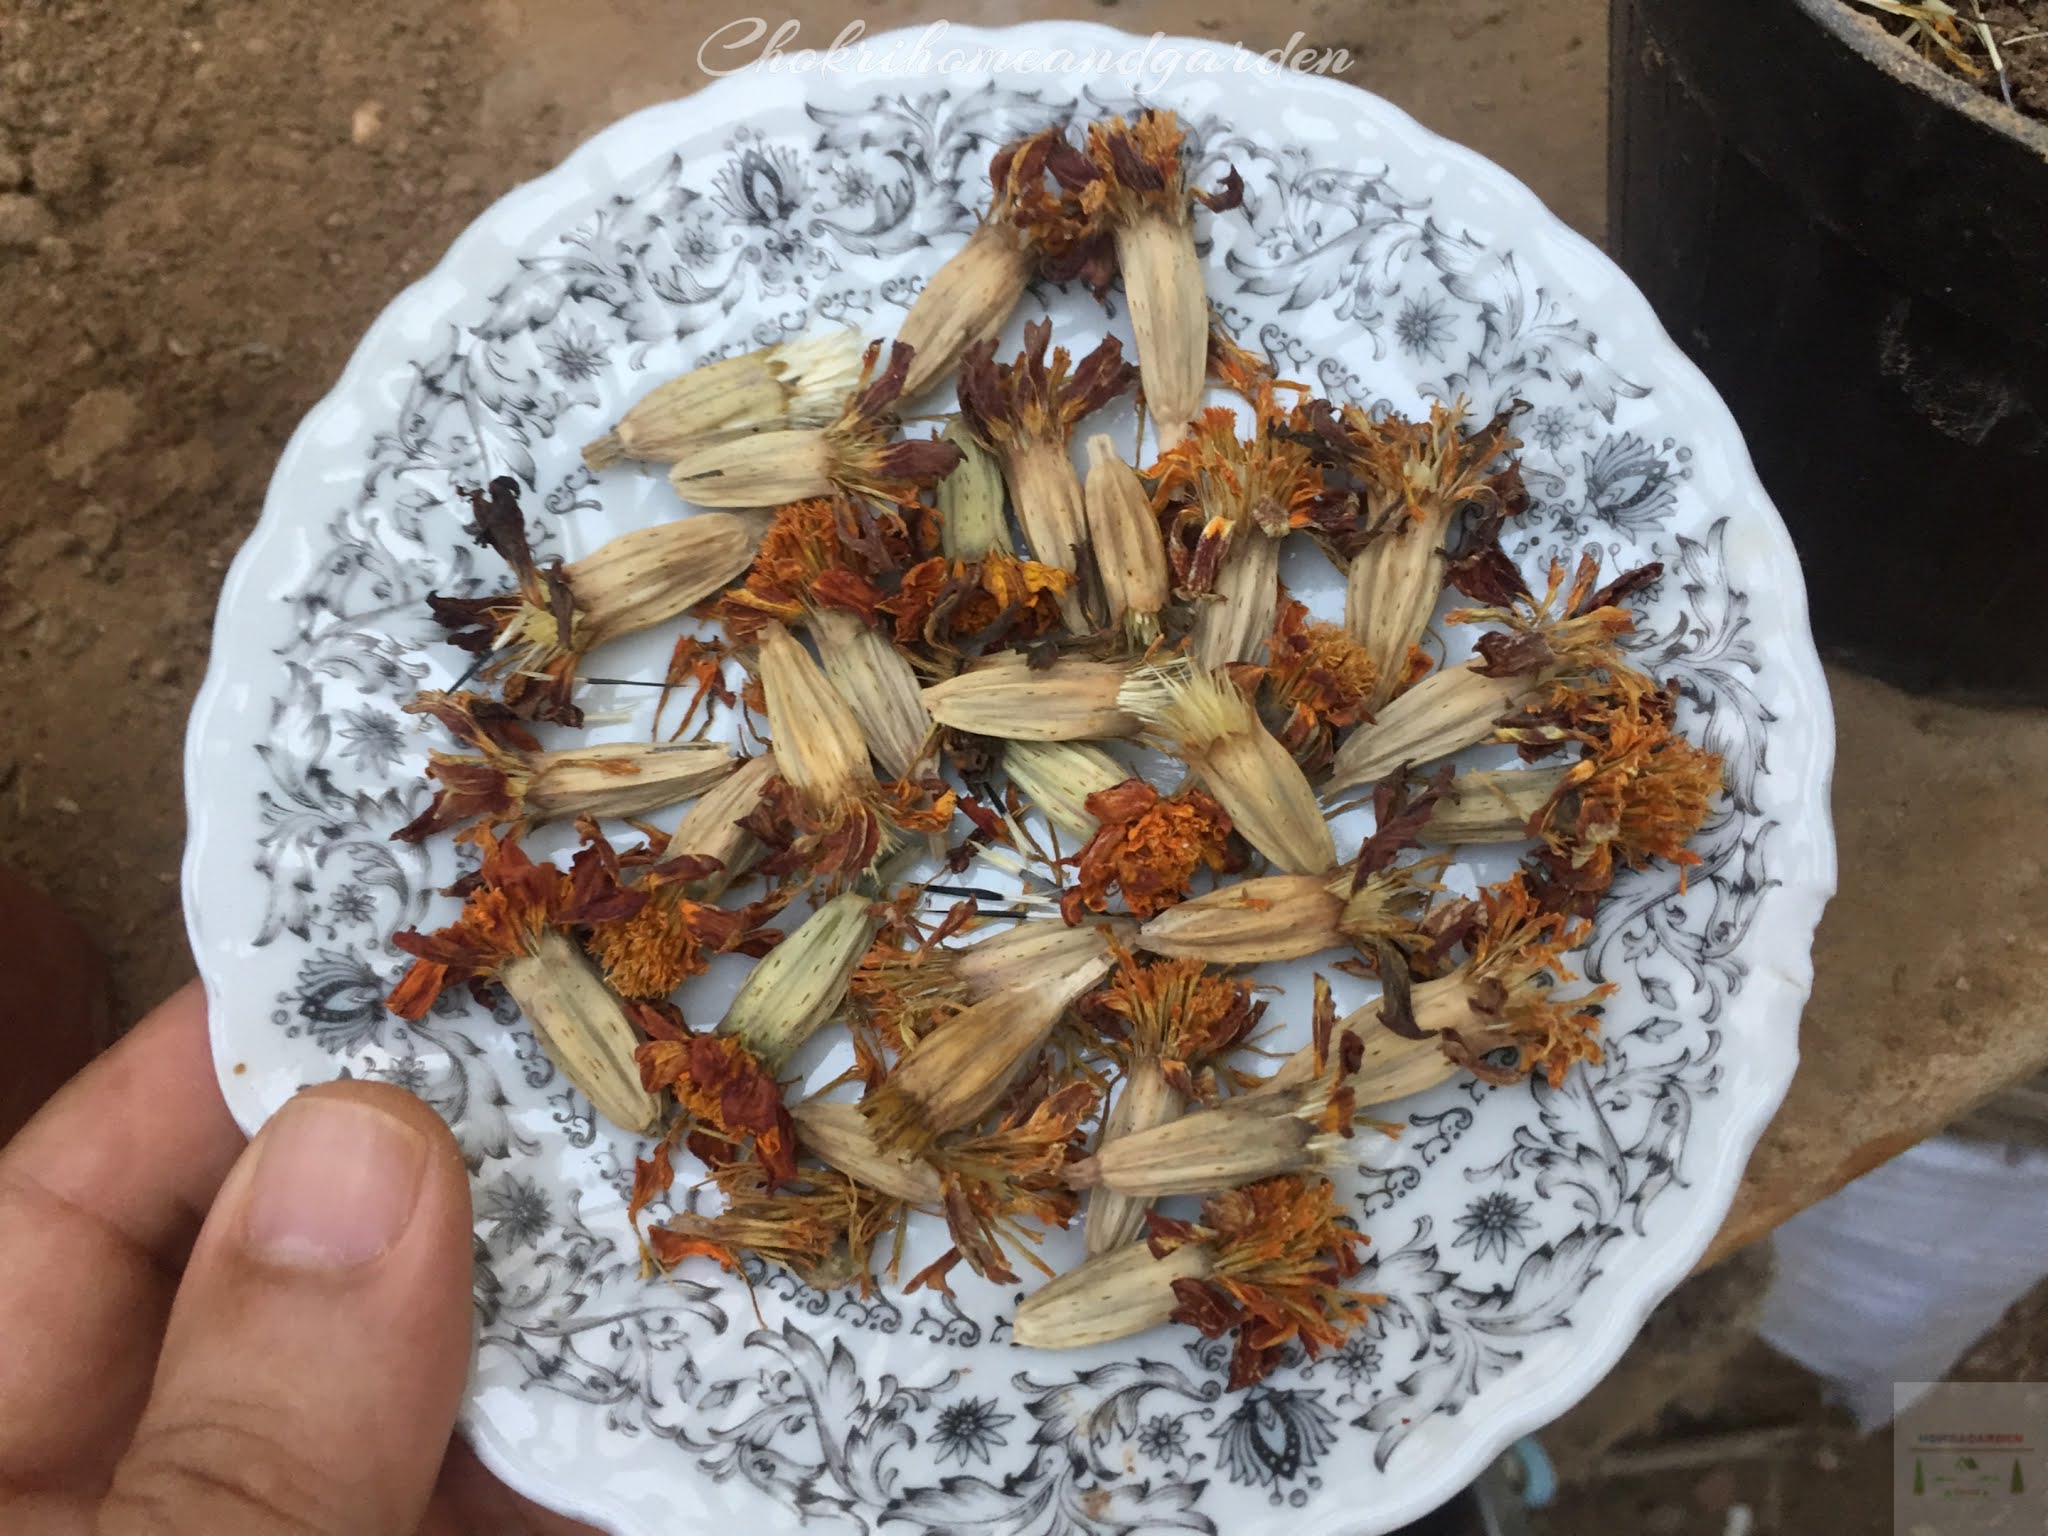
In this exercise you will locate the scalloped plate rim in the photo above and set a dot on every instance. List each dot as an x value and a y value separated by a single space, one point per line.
1807 731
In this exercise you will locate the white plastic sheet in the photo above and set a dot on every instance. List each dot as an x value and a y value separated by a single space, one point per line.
1895 1277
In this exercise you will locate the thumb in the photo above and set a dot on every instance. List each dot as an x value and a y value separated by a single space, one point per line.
317 1348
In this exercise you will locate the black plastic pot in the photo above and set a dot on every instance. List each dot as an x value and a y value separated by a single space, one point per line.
1854 247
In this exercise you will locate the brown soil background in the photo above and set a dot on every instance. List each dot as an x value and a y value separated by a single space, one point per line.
203 203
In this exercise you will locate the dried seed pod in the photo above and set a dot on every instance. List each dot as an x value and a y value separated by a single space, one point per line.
1129 555
1138 191
534 637
510 781
956 1074
1446 712
1495 805
818 741
798 383
972 524
1239 1142
1234 622
838 1134
788 996
1250 922
969 299
878 684
1549 651
853 455
1057 777
582 1028
1212 727
713 827
1417 478
513 920
1269 1264
1009 699
1035 954
1145 1099
1025 412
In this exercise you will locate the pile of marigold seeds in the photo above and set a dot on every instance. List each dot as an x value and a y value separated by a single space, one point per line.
949 633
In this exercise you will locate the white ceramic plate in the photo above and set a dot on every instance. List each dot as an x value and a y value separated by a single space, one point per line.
1520 1235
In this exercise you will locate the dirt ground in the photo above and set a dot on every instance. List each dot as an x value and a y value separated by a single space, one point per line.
203 203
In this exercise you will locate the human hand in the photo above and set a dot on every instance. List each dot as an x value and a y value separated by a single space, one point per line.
203 1339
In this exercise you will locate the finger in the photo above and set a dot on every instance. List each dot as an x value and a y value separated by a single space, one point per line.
469 1501
316 1351
101 1195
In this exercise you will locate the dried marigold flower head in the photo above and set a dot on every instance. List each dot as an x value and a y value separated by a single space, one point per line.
1639 797
825 552
509 780
1317 681
995 1182
855 455
1280 1255
512 903
731 1100
1178 1013
1202 718
1148 846
971 605
533 638
1034 401
1408 481
1133 189
959 1071
823 1228
1556 660
674 934
1568 633
1216 488
1508 990
1025 412
512 931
